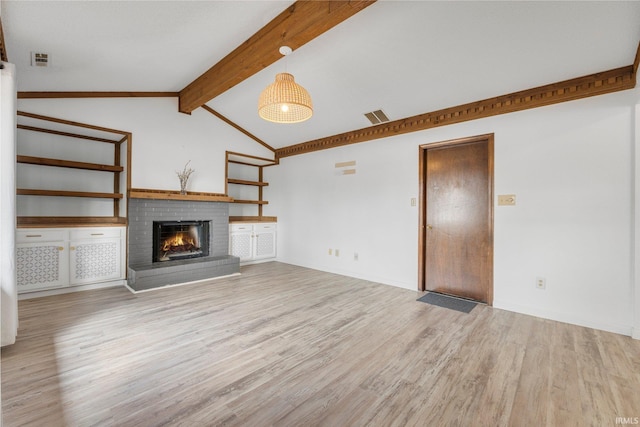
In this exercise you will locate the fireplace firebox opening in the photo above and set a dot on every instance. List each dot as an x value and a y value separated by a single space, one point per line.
178 240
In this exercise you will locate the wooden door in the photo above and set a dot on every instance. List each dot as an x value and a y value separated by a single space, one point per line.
457 222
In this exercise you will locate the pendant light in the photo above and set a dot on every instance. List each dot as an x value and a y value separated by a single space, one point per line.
285 101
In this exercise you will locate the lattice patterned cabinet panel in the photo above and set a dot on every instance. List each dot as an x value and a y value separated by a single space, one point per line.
252 242
241 245
41 265
95 260
265 244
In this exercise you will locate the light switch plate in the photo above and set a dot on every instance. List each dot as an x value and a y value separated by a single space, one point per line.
507 200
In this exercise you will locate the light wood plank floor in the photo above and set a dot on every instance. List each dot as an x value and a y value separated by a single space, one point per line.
287 346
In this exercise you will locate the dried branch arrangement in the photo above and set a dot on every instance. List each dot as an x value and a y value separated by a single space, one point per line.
184 177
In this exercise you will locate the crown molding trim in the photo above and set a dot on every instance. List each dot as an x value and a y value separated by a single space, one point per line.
569 90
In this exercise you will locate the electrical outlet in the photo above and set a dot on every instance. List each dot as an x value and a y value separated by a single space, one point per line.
330 252
541 283
413 201
337 252
355 256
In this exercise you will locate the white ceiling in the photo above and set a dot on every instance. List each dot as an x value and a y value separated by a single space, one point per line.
406 57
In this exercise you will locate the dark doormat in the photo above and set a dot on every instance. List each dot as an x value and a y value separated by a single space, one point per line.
445 301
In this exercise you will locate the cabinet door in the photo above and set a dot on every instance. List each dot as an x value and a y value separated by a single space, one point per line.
95 260
241 245
42 265
264 241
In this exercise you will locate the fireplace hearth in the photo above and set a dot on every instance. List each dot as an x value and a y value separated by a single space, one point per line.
179 240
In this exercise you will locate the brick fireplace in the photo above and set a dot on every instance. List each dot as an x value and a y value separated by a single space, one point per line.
144 273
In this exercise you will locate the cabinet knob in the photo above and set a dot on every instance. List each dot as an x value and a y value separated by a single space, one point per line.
72 248
60 248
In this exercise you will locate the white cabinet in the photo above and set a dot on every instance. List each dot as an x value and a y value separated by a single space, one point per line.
55 258
96 255
241 241
264 241
252 241
42 259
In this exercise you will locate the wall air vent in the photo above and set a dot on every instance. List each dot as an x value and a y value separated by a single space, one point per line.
377 117
39 59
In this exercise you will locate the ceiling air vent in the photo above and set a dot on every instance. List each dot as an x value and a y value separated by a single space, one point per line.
376 117
39 59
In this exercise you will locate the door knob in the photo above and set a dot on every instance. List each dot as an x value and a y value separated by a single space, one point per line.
429 227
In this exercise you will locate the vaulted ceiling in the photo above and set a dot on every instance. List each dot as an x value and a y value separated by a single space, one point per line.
405 57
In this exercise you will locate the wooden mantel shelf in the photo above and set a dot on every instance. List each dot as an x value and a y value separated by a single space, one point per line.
238 219
69 221
142 193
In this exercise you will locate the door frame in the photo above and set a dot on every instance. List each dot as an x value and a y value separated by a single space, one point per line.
422 203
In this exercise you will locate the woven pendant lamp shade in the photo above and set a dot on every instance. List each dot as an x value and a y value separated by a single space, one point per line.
285 101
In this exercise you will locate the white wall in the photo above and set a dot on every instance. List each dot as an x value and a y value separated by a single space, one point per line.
8 287
570 166
164 140
636 268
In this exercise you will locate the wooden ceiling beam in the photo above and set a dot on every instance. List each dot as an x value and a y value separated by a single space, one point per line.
297 25
595 84
238 127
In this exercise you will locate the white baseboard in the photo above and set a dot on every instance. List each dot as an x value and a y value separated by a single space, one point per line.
565 318
356 275
257 261
69 289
